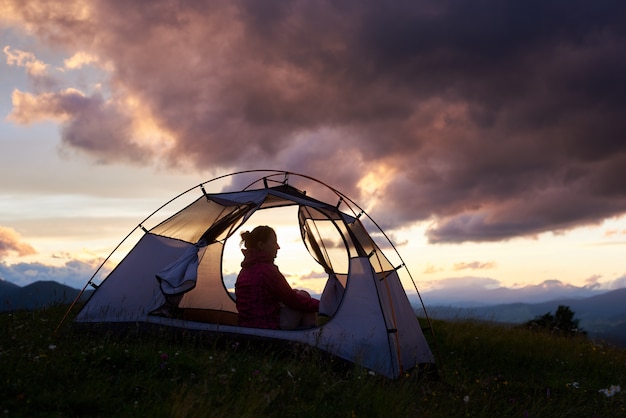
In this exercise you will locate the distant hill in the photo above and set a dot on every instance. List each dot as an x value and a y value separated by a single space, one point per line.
602 316
36 295
475 292
8 289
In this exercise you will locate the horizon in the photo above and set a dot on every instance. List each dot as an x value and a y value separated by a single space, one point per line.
489 153
464 296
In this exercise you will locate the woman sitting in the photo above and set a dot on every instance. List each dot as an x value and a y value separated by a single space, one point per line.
264 298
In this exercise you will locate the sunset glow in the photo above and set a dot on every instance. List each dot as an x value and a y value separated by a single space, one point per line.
490 154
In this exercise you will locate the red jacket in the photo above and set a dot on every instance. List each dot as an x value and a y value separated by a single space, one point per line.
261 288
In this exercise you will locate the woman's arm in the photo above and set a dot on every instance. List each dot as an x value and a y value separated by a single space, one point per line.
284 293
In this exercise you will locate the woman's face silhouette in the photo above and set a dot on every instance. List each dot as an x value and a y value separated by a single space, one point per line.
270 246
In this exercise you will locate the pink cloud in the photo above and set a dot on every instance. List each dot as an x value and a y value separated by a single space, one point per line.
494 131
11 242
474 265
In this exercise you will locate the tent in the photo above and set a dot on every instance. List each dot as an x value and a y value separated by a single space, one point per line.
173 275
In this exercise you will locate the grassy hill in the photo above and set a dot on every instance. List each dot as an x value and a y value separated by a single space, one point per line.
484 370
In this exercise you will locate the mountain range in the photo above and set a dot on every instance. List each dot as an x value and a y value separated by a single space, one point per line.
602 316
36 295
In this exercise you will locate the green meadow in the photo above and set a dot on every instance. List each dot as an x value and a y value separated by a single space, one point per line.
483 370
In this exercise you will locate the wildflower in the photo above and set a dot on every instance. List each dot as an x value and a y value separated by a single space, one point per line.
52 347
164 358
611 390
466 399
574 385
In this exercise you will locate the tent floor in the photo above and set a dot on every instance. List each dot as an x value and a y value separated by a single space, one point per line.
211 316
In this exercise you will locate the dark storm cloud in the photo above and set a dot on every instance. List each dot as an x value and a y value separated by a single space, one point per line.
102 129
497 119
89 123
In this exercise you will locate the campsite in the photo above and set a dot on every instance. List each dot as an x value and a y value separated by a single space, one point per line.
158 334
439 188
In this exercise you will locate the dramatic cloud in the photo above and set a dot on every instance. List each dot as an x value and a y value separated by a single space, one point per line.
10 242
63 105
490 120
90 124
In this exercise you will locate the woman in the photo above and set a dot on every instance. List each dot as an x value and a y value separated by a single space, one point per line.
264 298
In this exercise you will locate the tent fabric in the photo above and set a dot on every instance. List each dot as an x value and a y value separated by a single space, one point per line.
331 296
371 321
131 290
180 276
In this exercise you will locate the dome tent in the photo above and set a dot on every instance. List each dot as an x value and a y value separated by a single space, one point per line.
173 275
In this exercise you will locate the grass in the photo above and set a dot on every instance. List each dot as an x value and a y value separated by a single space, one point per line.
485 370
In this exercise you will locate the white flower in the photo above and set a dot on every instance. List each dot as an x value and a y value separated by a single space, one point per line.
611 390
466 399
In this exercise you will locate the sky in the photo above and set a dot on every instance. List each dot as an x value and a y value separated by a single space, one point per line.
487 138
